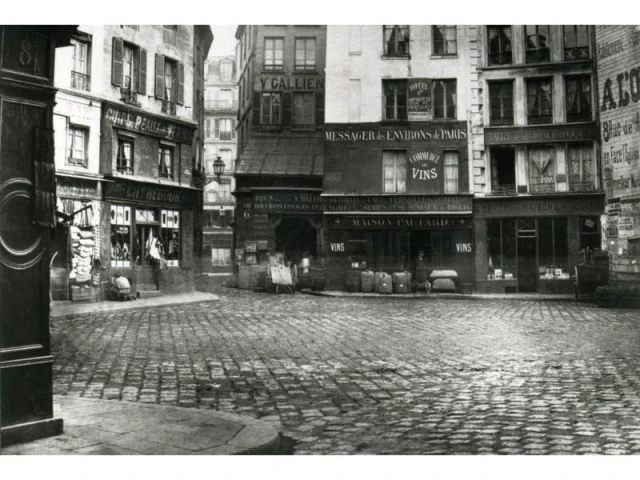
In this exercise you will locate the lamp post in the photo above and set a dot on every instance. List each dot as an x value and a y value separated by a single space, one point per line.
218 168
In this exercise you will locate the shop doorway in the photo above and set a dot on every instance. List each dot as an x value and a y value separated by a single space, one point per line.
527 271
296 237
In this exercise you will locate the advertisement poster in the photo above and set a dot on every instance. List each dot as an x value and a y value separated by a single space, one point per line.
419 99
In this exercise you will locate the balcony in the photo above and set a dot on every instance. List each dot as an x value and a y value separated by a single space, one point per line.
578 186
221 104
502 190
168 107
129 96
80 81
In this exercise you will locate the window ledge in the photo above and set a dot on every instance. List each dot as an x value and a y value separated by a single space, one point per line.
308 72
535 65
396 57
443 57
267 71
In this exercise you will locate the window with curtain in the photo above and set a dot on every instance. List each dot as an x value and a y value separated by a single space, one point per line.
581 168
394 166
538 46
576 42
78 138
80 72
305 55
396 40
129 67
395 99
304 106
501 246
542 169
501 102
539 106
273 53
124 157
499 39
450 172
270 108
578 98
165 161
444 40
444 99
170 80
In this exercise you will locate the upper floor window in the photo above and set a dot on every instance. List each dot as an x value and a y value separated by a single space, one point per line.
124 157
578 98
394 171
395 99
305 56
303 109
444 99
581 168
273 53
396 40
78 140
576 42
499 39
270 108
538 43
81 62
165 161
542 169
225 95
450 172
170 34
169 82
501 102
129 69
444 40
225 128
539 105
226 71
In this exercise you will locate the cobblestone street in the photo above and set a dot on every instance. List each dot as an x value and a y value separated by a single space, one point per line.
369 375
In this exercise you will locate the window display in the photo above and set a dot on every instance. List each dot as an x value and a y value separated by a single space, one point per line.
120 236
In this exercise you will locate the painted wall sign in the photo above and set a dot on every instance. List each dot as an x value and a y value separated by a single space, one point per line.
538 134
357 222
336 247
456 133
463 247
399 203
177 197
150 125
284 201
538 207
75 188
424 166
295 82
419 106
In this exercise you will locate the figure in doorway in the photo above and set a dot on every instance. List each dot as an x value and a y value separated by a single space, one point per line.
421 272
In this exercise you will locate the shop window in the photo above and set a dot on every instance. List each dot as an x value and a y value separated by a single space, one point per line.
220 257
147 237
501 102
503 171
450 172
78 141
273 53
578 98
124 157
542 169
305 55
394 165
396 40
589 232
581 168
539 107
538 38
120 236
499 38
444 40
170 34
501 245
165 161
270 108
395 99
553 248
303 109
576 42
218 218
444 99
169 83
225 128
81 61
170 236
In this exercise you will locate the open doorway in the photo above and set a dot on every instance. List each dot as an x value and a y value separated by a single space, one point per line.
296 237
503 170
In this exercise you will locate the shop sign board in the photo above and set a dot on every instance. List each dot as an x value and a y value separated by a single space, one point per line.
395 222
419 99
397 203
287 202
536 207
151 194
540 134
454 134
294 82
144 123
76 188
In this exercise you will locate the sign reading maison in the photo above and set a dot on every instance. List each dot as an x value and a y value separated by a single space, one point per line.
146 124
382 133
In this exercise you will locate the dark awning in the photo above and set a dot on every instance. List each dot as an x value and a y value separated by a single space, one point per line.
295 156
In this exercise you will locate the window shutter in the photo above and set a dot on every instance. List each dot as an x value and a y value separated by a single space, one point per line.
142 74
319 108
286 109
159 76
180 83
117 53
256 108
217 128
233 128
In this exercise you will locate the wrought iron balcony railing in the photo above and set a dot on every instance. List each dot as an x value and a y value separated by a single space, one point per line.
80 81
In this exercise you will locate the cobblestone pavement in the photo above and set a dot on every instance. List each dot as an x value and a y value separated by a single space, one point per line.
398 376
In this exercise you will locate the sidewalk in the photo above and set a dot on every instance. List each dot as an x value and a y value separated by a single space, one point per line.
113 427
456 296
63 308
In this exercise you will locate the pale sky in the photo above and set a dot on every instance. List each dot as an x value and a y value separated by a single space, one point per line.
224 41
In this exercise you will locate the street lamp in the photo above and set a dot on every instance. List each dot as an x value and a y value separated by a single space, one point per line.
218 167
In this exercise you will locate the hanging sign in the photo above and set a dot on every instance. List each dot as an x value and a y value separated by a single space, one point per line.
419 99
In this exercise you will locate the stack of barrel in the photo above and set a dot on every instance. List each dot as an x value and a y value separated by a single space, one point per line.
379 282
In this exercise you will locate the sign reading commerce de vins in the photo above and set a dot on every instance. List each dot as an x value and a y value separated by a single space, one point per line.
374 133
146 124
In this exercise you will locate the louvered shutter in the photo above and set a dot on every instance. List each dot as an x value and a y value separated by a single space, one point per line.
159 81
117 53
181 83
142 73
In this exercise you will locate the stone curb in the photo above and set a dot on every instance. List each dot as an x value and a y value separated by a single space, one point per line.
449 296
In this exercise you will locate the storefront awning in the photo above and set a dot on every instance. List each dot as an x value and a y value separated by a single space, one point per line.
282 156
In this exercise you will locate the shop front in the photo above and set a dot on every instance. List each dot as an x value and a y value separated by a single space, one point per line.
148 235
532 244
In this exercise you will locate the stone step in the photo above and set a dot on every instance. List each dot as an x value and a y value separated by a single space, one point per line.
148 293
